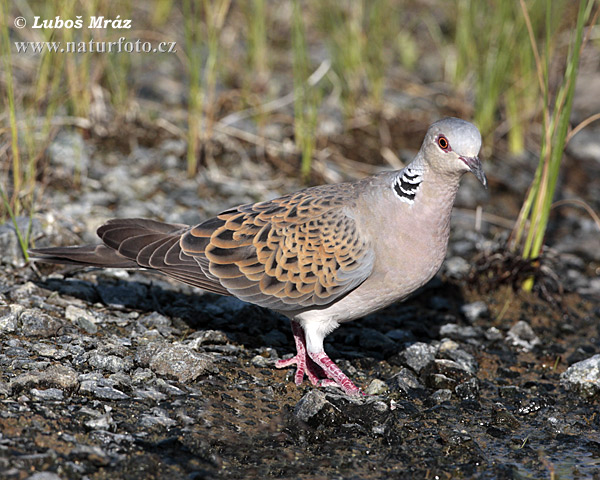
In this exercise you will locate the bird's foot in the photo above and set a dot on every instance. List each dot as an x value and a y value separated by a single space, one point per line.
304 365
318 368
335 374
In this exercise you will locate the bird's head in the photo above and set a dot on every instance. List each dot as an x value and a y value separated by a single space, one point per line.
451 147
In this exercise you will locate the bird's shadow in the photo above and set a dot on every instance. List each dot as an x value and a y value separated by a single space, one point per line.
417 319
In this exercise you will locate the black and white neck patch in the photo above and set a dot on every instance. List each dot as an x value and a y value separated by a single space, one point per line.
407 185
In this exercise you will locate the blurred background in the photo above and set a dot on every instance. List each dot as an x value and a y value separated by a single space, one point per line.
258 98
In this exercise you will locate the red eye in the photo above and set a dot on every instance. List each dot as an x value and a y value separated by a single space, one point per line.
443 143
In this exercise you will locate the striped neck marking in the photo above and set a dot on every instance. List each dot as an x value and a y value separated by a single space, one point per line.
407 185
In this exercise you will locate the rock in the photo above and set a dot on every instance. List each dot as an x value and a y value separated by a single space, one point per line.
176 360
44 476
439 396
47 395
101 390
460 332
55 376
37 324
84 319
468 390
450 350
376 387
456 267
583 377
418 356
313 404
474 311
521 335
404 381
9 316
492 334
112 363
501 417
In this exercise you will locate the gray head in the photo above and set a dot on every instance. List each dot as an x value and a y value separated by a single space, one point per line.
451 147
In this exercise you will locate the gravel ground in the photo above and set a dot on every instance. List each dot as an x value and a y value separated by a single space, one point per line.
116 374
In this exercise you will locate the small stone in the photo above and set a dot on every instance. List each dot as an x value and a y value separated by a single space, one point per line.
310 405
450 350
158 417
103 392
521 335
47 395
177 360
418 356
57 376
38 324
493 334
44 476
210 337
501 417
101 422
259 361
440 396
583 377
376 387
112 363
82 318
50 351
475 311
9 318
404 381
460 332
468 390
456 267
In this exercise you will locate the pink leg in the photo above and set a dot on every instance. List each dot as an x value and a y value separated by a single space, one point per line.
316 365
301 359
334 373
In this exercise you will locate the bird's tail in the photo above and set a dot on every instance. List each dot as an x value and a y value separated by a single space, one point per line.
123 243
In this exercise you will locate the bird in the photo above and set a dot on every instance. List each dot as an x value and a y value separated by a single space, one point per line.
322 256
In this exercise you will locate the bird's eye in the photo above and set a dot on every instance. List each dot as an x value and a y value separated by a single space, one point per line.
443 143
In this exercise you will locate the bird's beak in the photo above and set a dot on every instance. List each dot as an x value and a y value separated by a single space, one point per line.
474 165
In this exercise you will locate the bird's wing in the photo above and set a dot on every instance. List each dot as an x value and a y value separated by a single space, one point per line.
290 253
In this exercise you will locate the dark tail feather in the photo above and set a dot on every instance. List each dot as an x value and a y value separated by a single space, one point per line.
116 234
88 255
136 243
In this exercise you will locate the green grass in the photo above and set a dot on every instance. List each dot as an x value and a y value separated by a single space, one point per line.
531 225
306 97
494 56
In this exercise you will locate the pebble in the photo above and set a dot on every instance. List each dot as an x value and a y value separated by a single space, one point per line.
57 376
404 381
310 405
460 332
112 363
522 336
583 377
376 387
439 396
475 311
100 390
37 324
175 360
418 356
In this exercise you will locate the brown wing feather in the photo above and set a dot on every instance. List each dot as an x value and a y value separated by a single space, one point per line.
296 251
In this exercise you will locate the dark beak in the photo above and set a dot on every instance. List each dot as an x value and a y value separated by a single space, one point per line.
474 165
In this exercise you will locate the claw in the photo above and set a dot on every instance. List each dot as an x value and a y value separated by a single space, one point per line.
318 367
